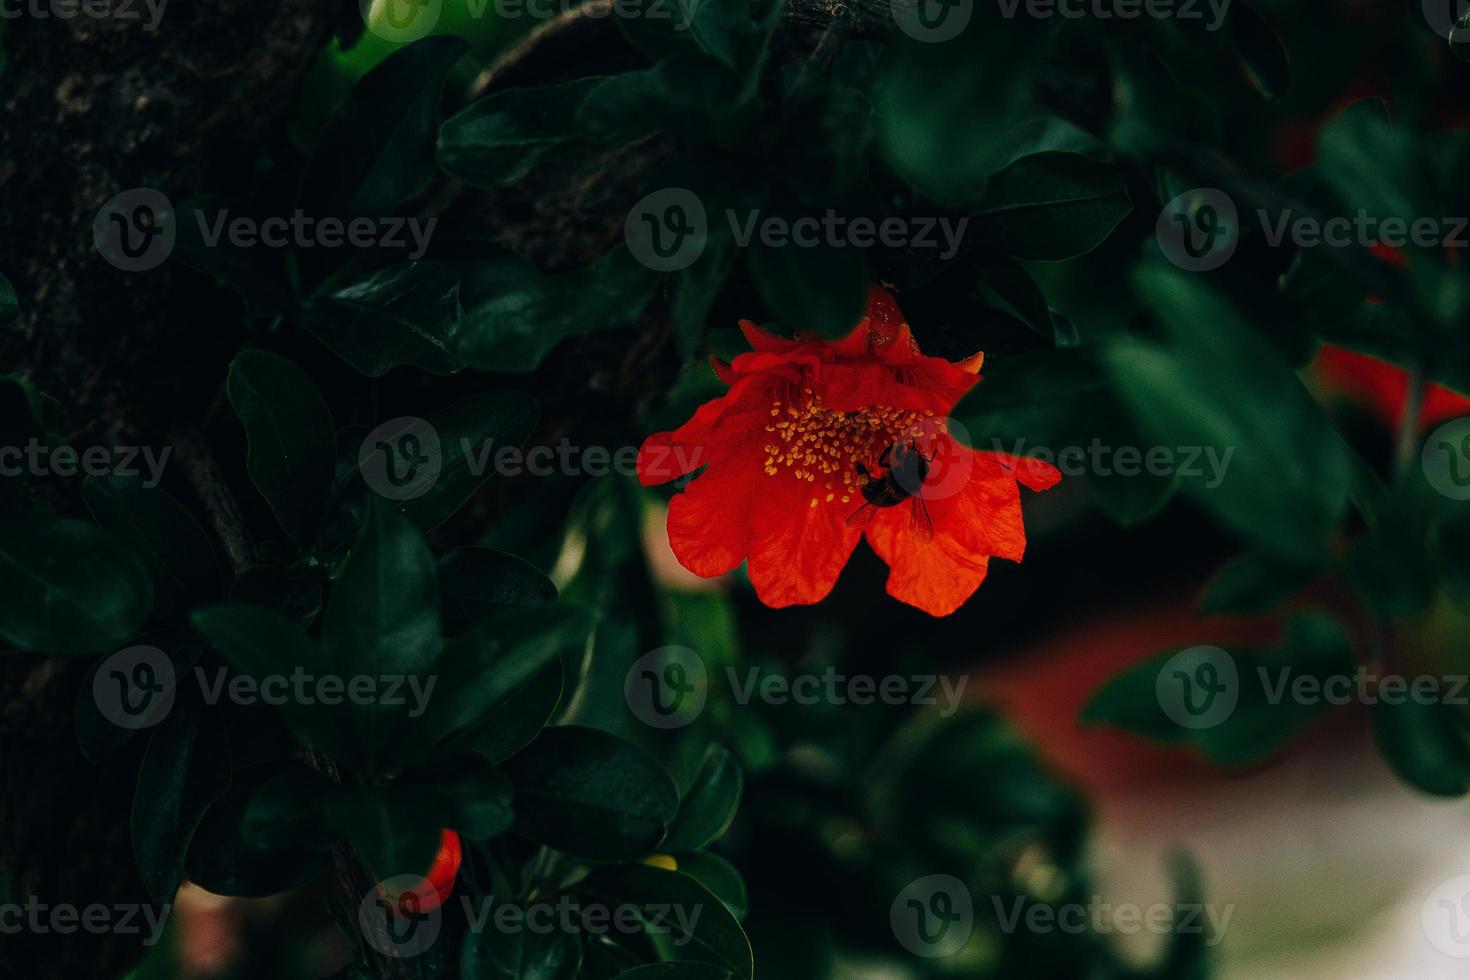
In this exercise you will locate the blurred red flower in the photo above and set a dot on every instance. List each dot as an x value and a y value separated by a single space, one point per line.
1382 388
821 442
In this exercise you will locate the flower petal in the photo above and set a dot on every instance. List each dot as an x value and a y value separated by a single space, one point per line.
797 550
708 527
930 573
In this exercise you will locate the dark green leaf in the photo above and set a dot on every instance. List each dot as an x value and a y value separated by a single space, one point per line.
1233 707
517 720
262 643
67 588
719 876
163 535
591 794
520 954
483 667
1254 582
496 141
1426 744
9 303
186 768
514 330
223 860
405 314
1054 206
716 938
707 809
823 288
292 443
475 582
378 150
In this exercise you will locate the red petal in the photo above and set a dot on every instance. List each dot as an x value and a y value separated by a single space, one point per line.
797 550
762 340
932 574
708 529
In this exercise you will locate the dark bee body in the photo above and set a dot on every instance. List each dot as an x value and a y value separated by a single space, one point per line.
903 478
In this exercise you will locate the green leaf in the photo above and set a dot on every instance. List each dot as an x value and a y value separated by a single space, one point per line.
1427 745
520 954
823 288
223 860
261 643
383 612
516 721
1220 387
691 97
715 938
477 425
382 620
941 111
205 243
164 536
26 413
67 587
9 303
496 141
1003 414
719 876
455 453
1261 51
186 768
292 443
475 582
591 794
1055 206
1232 707
1008 287
483 667
1254 582
405 314
707 809
515 329
378 149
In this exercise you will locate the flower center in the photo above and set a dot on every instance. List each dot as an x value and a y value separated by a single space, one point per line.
824 448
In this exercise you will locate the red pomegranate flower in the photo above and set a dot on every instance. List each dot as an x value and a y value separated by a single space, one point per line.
819 443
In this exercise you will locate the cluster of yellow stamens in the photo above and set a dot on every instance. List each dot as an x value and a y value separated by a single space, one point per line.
815 443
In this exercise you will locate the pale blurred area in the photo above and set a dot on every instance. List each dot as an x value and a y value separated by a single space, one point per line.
1328 860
